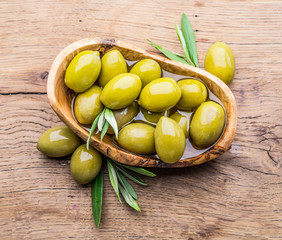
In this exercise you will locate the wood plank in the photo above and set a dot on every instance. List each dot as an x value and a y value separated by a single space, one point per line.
237 196
234 196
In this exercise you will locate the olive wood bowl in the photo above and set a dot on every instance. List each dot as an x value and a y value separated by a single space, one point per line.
60 98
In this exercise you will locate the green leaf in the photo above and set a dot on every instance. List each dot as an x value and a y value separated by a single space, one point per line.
97 197
167 53
127 186
189 38
182 41
101 120
113 178
129 199
105 129
138 170
110 117
135 178
94 124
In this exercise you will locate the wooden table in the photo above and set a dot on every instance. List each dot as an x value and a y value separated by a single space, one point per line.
237 196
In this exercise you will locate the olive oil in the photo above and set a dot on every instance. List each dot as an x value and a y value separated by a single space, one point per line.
152 118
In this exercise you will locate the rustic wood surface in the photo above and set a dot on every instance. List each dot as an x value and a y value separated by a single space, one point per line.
237 196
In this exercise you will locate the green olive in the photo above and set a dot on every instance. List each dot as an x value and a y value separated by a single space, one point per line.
169 140
83 71
220 61
58 142
182 121
137 138
160 95
87 105
152 117
148 70
85 164
207 124
125 115
113 64
121 91
193 93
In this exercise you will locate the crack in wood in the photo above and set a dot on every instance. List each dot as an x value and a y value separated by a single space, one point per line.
23 93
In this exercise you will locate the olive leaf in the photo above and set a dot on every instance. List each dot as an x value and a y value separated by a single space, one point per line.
97 197
105 119
101 120
135 178
167 53
113 178
129 199
94 124
105 129
110 117
138 170
189 38
183 43
127 186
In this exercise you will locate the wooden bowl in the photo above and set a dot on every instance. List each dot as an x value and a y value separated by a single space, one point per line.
60 100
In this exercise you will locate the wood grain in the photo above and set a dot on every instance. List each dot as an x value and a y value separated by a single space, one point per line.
237 196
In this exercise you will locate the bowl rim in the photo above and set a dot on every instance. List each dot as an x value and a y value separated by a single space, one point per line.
222 145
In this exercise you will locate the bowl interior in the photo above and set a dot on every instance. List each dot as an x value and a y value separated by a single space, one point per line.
60 98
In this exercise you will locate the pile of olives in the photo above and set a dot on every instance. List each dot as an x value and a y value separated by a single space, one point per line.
60 141
150 109
155 114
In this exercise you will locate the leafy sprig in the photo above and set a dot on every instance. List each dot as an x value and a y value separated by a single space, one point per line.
97 197
187 39
119 175
103 121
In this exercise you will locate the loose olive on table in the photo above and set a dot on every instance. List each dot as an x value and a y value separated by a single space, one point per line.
58 141
85 164
220 61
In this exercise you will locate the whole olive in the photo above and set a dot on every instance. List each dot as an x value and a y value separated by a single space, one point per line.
87 105
182 121
148 70
207 124
85 164
58 141
83 71
152 117
193 93
121 91
160 95
220 61
169 140
124 115
113 64
137 138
